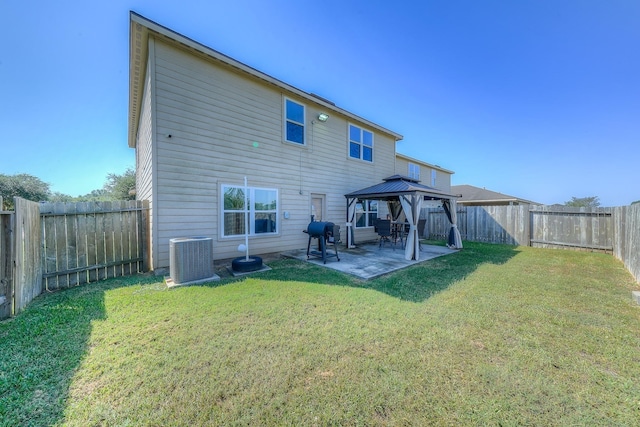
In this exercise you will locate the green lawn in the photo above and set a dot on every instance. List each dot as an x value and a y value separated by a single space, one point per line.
492 335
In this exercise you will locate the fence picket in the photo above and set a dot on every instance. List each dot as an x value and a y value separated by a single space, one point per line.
144 236
118 237
60 222
81 244
50 262
101 269
71 227
127 218
107 221
92 244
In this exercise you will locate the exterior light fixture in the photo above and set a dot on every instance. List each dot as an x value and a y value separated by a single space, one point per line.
323 117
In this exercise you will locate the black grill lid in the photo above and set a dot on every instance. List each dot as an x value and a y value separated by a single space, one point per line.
318 228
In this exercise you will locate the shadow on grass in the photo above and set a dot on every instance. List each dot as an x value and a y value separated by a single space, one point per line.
415 283
419 282
42 348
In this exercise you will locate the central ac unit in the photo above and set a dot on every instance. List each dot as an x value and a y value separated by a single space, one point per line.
191 259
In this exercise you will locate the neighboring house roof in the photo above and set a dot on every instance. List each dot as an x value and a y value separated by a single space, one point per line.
396 185
141 27
422 162
476 195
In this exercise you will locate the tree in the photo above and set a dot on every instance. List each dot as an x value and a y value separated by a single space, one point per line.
100 195
56 196
583 202
23 185
119 187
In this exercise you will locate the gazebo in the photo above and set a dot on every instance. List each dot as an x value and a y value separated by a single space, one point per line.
404 194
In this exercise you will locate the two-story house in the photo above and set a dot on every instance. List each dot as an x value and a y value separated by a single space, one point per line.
200 122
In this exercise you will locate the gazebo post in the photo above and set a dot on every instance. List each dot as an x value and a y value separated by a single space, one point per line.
411 208
351 213
450 207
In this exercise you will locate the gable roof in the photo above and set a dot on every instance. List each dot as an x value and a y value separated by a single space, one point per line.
471 194
140 30
397 185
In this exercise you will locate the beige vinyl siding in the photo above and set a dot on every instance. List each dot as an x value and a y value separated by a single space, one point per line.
402 168
214 116
144 153
443 179
144 148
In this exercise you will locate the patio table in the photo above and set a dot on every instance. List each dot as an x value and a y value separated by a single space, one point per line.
399 231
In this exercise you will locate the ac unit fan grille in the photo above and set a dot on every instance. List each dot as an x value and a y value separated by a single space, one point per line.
190 259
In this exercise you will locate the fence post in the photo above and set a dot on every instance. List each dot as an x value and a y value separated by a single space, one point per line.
526 218
6 263
145 236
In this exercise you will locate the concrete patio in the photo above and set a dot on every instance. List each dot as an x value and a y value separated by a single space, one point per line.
368 261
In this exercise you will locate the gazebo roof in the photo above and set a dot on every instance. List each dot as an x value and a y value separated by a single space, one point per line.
397 185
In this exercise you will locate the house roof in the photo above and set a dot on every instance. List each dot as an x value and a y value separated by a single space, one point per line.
422 162
140 30
397 185
471 194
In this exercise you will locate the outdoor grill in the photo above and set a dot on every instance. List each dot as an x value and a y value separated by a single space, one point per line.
326 233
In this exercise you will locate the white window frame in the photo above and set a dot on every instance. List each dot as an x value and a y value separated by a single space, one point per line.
414 171
287 120
251 211
360 143
434 175
366 204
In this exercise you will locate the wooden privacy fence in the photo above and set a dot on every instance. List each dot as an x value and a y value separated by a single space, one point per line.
529 225
91 241
490 224
578 228
48 246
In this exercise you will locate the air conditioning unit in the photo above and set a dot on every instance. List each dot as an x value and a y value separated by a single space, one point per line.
191 260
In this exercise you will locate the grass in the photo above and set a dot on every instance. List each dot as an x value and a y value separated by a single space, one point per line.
492 335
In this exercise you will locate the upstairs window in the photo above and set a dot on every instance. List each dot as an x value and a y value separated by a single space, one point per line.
360 144
433 177
294 122
414 171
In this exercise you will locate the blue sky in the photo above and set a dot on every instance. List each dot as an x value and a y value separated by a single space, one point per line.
538 99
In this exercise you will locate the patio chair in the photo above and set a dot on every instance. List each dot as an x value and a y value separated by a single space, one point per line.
334 239
421 225
384 232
